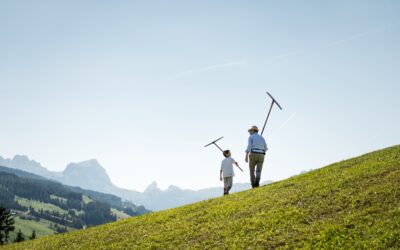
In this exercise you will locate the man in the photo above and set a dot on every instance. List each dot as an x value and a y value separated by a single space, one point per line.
256 152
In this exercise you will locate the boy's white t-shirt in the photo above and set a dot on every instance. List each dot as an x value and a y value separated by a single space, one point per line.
227 167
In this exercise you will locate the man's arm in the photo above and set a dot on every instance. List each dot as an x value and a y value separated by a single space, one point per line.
265 146
248 149
220 175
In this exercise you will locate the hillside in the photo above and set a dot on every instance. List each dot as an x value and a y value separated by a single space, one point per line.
350 204
49 207
114 201
20 173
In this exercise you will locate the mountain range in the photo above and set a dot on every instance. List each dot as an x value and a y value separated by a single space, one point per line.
91 175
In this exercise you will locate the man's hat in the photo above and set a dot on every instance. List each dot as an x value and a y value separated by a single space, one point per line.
254 128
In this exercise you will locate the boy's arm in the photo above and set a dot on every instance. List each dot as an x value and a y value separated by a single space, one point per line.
220 175
237 165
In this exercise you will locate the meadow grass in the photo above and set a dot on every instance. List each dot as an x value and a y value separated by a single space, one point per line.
86 199
37 205
119 214
61 199
42 227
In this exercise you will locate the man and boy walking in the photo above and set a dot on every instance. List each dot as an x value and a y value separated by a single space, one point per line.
255 154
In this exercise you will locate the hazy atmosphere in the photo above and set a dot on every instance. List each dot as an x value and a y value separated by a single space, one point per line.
143 86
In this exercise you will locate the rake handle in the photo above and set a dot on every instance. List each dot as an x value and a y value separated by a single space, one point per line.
269 112
218 147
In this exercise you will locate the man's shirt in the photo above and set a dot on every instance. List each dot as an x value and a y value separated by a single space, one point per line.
256 144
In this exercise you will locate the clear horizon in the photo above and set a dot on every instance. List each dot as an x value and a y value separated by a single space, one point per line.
143 86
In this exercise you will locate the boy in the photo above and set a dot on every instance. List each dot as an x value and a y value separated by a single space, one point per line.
227 171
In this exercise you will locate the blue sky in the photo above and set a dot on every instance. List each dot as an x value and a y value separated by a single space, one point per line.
142 86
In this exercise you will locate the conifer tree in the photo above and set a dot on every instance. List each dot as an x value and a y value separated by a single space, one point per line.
20 237
6 224
33 236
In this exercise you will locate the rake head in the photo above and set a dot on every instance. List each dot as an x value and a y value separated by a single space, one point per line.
274 100
213 142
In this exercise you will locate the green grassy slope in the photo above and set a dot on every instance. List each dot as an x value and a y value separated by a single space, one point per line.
27 226
41 227
351 204
37 205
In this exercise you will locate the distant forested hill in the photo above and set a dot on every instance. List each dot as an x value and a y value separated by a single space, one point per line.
35 198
